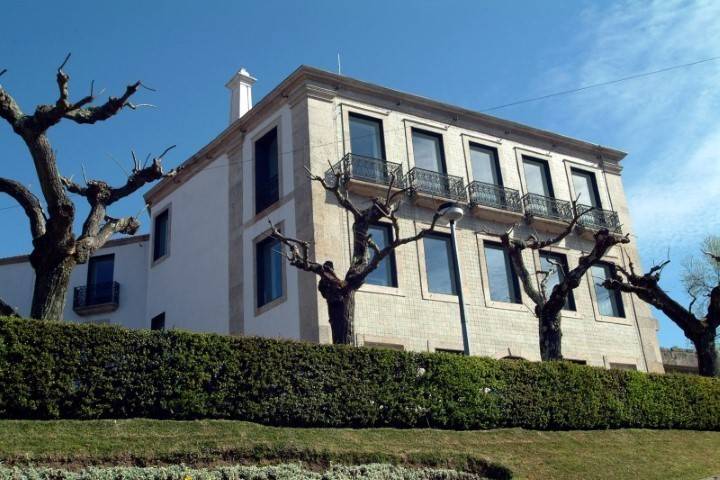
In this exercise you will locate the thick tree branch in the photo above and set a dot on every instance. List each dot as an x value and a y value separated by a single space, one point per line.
9 109
86 245
341 196
28 202
93 114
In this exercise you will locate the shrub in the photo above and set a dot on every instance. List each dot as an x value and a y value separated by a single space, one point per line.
62 370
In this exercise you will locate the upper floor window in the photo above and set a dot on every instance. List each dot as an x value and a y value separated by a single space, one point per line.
385 274
366 136
269 270
161 235
503 283
555 264
609 301
439 265
586 188
267 179
537 177
428 150
484 164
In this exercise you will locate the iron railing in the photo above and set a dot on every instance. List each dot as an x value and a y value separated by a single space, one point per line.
372 170
547 207
436 184
596 218
85 297
495 196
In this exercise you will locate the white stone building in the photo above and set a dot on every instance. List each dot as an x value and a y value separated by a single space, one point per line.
208 264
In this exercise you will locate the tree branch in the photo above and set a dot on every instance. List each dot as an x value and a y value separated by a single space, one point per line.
28 202
86 245
341 197
6 310
9 109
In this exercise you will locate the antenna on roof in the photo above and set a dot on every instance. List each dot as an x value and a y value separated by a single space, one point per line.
339 65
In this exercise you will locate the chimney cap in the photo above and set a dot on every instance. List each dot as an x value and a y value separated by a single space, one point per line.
241 76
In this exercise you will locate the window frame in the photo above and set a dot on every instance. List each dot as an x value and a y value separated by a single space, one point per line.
260 309
455 278
545 165
91 262
429 133
390 258
565 263
512 274
275 126
165 210
496 158
361 116
594 182
623 317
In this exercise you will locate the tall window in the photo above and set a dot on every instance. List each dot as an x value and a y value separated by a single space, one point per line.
267 181
537 177
557 264
484 163
441 274
586 188
428 151
503 282
385 274
100 279
158 322
366 136
609 301
268 257
161 235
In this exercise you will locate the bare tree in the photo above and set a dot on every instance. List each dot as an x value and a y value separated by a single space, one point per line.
339 291
699 321
56 249
549 305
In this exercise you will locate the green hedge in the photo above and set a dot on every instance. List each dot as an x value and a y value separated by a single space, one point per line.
60 370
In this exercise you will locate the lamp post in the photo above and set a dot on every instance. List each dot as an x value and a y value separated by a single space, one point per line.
454 212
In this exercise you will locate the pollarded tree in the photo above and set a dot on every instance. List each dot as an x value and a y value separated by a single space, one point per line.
56 248
548 305
338 290
700 320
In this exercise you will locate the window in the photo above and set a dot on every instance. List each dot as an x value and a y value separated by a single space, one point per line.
537 177
267 181
586 188
609 301
385 274
269 269
100 279
557 264
366 136
384 346
161 235
484 164
428 151
158 322
503 282
623 366
439 265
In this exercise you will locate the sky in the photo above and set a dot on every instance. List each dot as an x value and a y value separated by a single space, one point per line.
475 54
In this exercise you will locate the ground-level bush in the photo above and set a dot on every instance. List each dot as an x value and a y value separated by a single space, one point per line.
61 370
277 472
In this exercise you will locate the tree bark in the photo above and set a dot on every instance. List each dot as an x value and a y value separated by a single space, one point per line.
707 354
52 278
550 336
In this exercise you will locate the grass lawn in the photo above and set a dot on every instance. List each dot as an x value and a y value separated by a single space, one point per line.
616 454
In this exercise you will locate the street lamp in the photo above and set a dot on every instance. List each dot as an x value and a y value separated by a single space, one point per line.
454 212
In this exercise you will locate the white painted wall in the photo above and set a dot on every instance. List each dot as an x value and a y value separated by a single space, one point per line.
191 284
17 279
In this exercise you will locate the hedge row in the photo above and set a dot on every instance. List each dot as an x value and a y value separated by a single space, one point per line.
60 370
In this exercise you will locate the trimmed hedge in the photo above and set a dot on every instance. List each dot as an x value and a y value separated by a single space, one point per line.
63 370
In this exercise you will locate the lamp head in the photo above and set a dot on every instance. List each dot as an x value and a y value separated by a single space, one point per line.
451 210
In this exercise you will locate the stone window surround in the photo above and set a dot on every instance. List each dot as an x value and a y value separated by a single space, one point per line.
572 258
282 298
430 127
520 153
629 318
603 191
382 289
347 108
525 302
468 140
276 123
166 208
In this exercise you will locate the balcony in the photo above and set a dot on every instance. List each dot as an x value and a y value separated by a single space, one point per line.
493 202
98 298
369 176
430 189
597 219
546 212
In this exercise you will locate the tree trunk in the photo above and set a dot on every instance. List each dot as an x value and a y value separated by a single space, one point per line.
51 284
707 354
341 309
550 336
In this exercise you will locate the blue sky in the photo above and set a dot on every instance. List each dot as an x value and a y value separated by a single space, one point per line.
476 54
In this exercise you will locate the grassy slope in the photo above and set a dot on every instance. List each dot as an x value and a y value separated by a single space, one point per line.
616 454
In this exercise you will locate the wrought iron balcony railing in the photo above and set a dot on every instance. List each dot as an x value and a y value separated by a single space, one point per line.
436 184
97 297
372 170
495 196
597 219
547 207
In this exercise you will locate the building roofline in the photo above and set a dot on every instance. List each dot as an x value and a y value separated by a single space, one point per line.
116 242
305 73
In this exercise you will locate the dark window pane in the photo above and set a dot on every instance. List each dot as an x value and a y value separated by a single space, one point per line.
384 274
484 163
267 187
585 188
366 136
609 301
537 177
269 270
161 235
557 264
427 151
158 322
439 265
99 287
501 276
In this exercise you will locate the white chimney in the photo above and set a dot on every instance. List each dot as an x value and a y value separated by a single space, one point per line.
240 86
